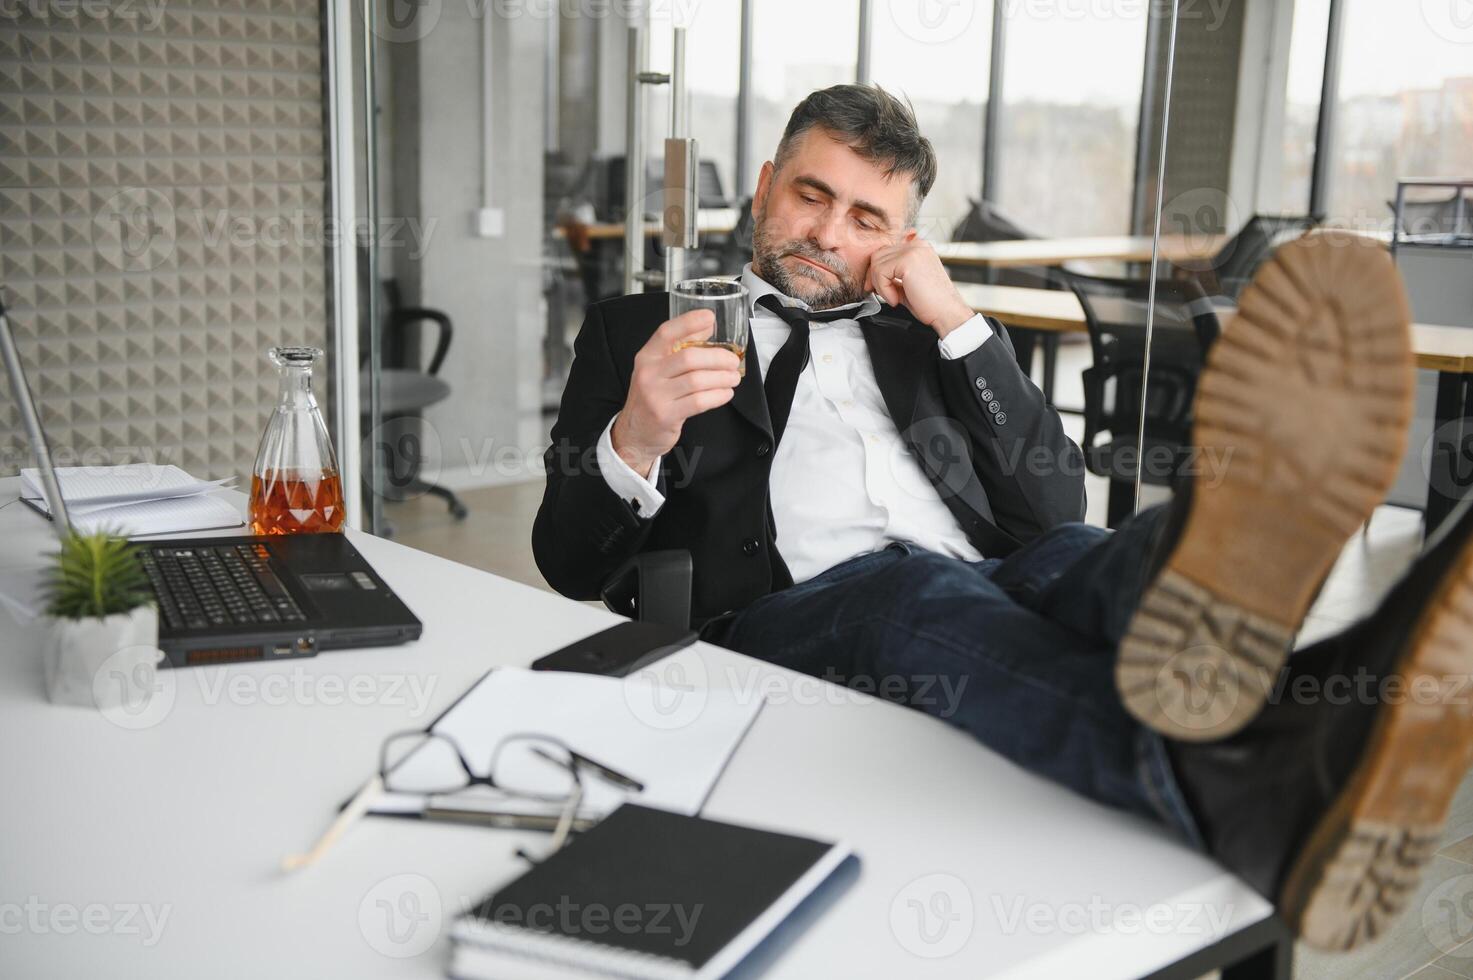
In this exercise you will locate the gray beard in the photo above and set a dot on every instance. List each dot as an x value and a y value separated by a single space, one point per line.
808 285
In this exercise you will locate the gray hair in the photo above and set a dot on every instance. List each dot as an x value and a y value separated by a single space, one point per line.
874 124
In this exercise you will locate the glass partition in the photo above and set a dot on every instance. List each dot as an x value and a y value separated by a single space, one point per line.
491 149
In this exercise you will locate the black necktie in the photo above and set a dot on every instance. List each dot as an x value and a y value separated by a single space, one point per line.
781 379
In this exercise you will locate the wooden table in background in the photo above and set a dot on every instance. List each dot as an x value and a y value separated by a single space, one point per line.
1057 251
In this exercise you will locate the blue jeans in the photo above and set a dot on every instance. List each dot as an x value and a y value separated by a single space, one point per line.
1018 651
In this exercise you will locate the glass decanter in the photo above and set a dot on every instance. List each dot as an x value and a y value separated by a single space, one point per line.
295 485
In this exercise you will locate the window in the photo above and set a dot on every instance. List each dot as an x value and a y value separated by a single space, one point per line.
1302 103
941 66
1071 95
1404 109
798 46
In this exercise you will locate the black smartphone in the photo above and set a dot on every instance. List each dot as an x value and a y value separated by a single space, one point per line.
619 650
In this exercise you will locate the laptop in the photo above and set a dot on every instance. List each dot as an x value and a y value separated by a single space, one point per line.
232 599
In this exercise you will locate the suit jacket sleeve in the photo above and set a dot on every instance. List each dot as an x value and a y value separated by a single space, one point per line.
584 530
1033 473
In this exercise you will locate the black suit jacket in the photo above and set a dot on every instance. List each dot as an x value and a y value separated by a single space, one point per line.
979 428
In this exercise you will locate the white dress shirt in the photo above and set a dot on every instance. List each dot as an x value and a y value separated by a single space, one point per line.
843 482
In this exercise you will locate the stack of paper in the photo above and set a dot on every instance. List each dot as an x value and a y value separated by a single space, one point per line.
134 499
676 741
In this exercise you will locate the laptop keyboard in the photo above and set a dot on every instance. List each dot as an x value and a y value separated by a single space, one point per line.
230 585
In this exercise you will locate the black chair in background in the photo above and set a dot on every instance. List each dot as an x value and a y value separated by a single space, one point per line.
984 223
1234 264
405 391
1453 216
1185 329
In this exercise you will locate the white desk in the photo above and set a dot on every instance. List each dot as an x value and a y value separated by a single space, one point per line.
190 816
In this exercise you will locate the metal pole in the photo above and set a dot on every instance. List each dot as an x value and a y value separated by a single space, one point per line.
676 255
1324 132
862 68
338 23
743 178
634 164
26 405
370 214
992 113
1155 253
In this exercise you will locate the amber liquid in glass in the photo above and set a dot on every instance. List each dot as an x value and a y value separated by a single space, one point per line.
286 503
736 349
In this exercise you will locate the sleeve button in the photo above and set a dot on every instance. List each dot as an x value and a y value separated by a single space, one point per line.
1001 418
994 406
750 546
981 383
987 394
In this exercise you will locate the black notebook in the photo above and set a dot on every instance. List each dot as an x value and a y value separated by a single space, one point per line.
645 893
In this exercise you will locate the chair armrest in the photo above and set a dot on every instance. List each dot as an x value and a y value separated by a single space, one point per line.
417 314
653 587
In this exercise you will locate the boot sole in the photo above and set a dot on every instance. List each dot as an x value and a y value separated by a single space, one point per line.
1363 862
1303 408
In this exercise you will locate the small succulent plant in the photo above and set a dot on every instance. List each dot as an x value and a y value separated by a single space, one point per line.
96 575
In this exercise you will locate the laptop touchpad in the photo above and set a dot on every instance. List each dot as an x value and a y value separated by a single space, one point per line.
328 581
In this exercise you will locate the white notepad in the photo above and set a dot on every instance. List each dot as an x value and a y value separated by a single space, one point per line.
135 499
615 721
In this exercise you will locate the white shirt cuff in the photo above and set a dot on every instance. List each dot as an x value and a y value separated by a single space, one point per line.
636 490
965 338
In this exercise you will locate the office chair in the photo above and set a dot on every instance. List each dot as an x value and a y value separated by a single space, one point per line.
404 393
983 222
1453 216
1186 327
1234 264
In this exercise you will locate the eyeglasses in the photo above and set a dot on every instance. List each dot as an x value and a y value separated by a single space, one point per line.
527 767
532 767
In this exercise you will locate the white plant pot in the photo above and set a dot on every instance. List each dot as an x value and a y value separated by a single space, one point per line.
96 663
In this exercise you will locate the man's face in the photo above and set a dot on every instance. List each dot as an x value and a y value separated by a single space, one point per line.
819 219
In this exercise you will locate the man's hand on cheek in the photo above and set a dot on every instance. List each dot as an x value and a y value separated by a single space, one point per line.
911 274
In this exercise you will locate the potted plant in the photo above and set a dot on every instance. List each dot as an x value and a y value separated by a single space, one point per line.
102 615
